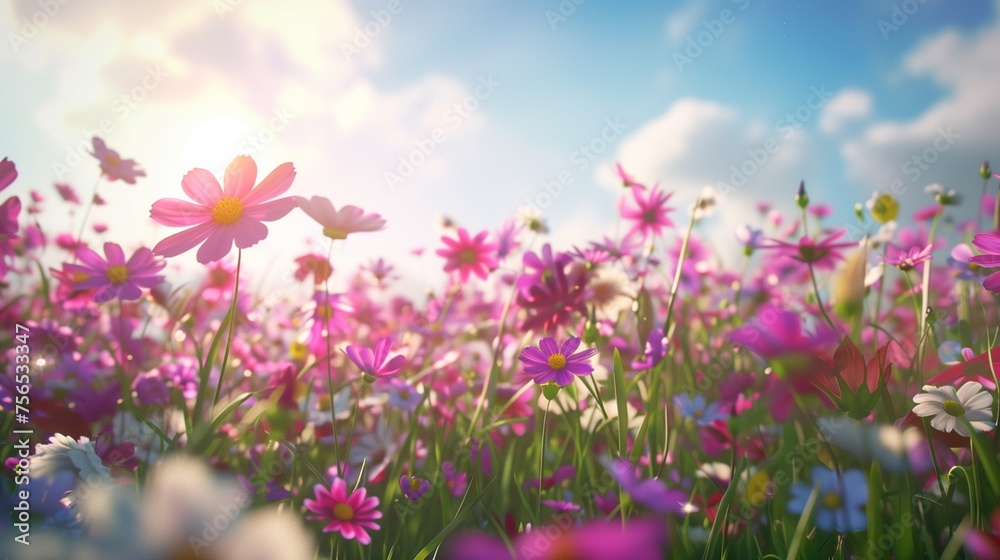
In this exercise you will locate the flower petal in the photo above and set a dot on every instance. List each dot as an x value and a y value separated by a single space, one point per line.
184 241
217 246
240 176
247 232
175 212
270 211
276 182
202 187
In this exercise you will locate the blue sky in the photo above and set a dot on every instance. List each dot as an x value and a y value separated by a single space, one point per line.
354 102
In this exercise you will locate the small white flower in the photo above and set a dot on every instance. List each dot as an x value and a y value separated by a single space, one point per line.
948 406
63 453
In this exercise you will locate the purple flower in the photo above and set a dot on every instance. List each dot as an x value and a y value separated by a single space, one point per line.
651 492
561 506
551 364
116 278
988 243
413 487
455 481
959 261
908 260
373 364
656 350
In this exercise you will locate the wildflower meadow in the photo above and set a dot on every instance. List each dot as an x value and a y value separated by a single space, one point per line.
831 395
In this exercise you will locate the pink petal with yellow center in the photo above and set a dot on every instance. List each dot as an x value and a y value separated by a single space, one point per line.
175 212
202 187
276 183
240 176
114 253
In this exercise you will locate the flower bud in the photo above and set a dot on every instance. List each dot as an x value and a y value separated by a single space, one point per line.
985 170
801 198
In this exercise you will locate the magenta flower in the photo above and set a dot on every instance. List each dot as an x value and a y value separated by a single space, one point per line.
910 259
349 515
373 364
551 364
222 217
413 487
823 254
67 193
9 211
115 277
113 166
469 255
338 224
649 216
988 243
8 172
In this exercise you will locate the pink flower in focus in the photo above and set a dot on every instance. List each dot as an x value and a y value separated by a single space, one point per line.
988 243
115 277
550 363
910 259
338 224
469 255
350 515
823 254
8 172
113 166
222 217
649 216
373 364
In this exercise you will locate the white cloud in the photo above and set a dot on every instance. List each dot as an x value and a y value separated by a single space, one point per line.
947 141
847 105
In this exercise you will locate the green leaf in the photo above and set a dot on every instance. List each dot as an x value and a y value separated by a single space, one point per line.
622 406
455 522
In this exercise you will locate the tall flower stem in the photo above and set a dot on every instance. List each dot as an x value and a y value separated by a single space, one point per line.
925 288
329 360
819 300
667 326
232 328
86 214
979 207
541 464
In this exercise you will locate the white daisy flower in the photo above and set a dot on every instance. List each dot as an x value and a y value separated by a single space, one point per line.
948 406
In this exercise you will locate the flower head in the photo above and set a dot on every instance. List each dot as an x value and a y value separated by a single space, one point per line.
988 243
550 363
373 364
950 409
883 207
840 502
223 216
698 410
469 255
851 384
910 259
822 254
649 215
115 277
413 487
8 172
338 224
350 515
113 166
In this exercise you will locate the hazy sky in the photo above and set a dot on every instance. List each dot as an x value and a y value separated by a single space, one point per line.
491 101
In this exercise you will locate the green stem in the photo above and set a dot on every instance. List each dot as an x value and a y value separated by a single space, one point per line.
329 361
819 300
232 327
541 465
677 273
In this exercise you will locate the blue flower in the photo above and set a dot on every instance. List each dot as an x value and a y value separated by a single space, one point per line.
841 500
695 408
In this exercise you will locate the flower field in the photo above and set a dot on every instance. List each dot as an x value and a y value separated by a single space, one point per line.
831 394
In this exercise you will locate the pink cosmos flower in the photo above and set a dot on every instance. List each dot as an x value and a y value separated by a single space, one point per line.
350 515
469 255
988 243
8 172
910 259
823 254
373 364
67 193
550 363
316 265
113 166
338 224
9 212
222 217
649 216
115 277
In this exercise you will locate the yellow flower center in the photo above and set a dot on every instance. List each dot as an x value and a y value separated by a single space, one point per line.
112 160
414 484
557 361
324 311
117 273
832 500
885 208
227 210
334 233
953 408
343 512
468 256
80 276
